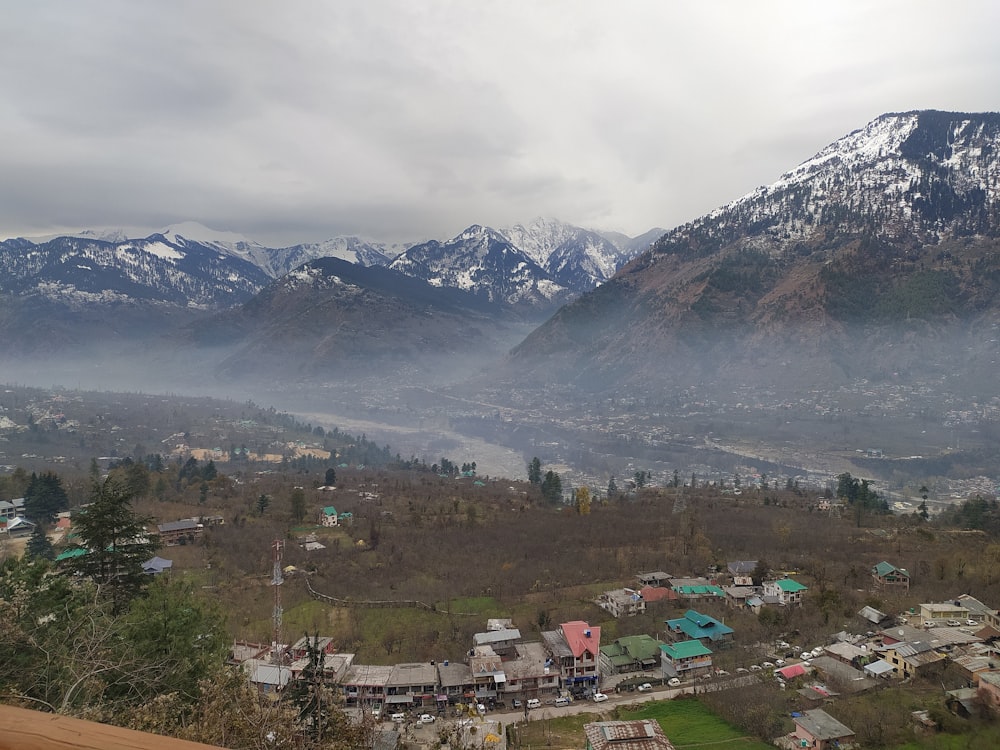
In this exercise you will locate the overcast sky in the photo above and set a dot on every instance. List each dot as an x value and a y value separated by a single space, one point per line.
411 119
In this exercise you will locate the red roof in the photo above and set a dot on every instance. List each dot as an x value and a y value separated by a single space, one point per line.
792 670
655 593
581 637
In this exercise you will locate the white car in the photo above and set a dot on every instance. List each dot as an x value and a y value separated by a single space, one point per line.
645 687
805 655
779 662
481 708
398 718
600 697
767 665
426 719
674 682
755 667
971 622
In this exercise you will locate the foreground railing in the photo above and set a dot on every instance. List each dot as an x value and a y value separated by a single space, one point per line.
23 729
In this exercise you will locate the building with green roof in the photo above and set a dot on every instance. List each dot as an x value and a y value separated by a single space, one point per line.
634 653
685 657
787 591
696 626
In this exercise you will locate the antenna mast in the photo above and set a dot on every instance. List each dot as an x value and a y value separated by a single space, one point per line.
276 580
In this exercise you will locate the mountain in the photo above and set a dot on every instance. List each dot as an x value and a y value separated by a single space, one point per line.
877 258
484 262
333 318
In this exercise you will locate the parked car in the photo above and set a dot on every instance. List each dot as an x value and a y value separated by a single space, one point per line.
742 670
779 662
534 703
562 700
721 673
818 651
516 703
755 667
377 712
426 719
398 718
805 655
767 665
971 622
928 623
600 697
674 682
645 687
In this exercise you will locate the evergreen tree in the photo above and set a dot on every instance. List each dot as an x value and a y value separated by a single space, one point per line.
44 498
535 471
116 541
298 511
39 547
331 477
552 487
612 487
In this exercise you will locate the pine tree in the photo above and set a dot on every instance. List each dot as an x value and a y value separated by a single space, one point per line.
116 541
535 471
39 547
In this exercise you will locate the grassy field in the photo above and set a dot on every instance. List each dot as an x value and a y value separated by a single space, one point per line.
687 722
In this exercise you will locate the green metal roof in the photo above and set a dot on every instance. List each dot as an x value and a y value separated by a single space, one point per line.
790 587
329 510
685 650
884 569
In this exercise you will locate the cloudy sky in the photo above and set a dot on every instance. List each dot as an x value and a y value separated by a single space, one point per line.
405 120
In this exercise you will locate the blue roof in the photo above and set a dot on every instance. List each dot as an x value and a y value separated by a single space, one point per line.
696 625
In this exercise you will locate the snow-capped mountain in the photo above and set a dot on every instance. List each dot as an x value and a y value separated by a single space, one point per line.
878 256
76 271
576 258
483 261
923 175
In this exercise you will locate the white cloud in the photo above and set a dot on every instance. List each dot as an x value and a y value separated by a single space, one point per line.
401 120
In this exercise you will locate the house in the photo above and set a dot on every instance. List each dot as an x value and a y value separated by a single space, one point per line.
910 658
652 594
575 648
455 682
655 578
940 613
179 532
411 685
696 626
328 516
741 568
817 729
633 653
530 674
156 565
11 508
19 526
488 676
267 677
643 734
696 588
737 596
989 691
875 617
622 602
787 591
685 657
887 577
501 641
325 643
365 685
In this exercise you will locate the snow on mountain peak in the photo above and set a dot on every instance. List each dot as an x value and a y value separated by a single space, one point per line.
195 232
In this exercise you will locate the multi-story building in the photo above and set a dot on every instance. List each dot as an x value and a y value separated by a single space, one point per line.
575 649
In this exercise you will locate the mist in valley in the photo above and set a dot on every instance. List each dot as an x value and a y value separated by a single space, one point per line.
902 410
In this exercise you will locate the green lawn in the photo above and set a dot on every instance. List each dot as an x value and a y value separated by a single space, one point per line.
688 723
